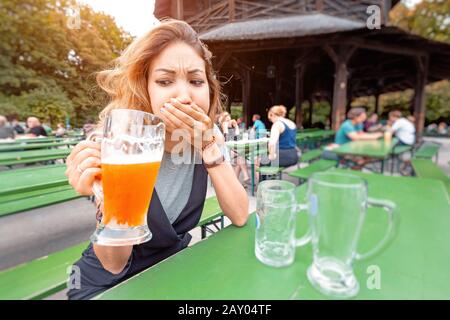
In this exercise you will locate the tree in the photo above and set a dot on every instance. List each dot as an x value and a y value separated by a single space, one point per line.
40 54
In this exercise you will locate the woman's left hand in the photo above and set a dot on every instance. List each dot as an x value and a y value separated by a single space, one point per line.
189 117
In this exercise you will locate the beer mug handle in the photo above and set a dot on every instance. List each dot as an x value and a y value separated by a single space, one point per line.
389 207
307 237
97 189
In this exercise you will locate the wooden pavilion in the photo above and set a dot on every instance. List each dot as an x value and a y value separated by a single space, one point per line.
288 51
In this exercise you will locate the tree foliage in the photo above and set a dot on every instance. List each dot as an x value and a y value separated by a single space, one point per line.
47 65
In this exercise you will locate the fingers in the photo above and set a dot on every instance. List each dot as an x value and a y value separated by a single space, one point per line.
79 147
85 181
178 117
86 153
192 110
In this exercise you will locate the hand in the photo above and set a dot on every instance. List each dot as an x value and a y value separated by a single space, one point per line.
190 117
272 156
83 166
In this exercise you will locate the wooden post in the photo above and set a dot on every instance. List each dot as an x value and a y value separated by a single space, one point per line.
419 93
299 73
231 10
340 59
319 5
246 86
377 103
179 9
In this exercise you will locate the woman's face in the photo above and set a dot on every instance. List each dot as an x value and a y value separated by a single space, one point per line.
178 72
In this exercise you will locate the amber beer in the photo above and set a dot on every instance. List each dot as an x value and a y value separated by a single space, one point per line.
128 189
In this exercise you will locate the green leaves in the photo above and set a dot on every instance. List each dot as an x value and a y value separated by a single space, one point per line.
48 68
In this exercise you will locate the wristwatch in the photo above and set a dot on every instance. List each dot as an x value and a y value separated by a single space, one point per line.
215 163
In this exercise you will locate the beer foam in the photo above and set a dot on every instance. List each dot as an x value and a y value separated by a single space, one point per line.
132 158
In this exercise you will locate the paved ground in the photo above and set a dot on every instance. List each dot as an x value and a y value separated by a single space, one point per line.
36 233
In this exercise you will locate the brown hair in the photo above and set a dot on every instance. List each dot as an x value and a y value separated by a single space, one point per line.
395 114
127 81
278 110
355 112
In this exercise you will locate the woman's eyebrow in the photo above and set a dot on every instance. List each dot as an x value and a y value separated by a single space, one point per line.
173 71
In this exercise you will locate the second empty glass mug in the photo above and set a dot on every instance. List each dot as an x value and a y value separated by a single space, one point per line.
336 207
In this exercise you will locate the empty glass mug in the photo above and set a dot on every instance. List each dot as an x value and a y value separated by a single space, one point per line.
337 205
276 216
132 147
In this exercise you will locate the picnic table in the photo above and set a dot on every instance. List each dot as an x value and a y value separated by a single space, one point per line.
249 149
376 149
42 145
413 266
32 156
312 136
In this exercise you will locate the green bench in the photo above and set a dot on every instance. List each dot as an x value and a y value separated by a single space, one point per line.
425 168
270 172
428 150
311 155
211 215
39 278
32 178
395 155
23 201
33 187
317 166
32 156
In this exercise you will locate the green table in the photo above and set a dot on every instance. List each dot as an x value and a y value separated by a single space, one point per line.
414 266
30 156
249 149
375 149
31 146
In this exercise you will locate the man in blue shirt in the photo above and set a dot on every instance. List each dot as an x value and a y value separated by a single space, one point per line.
258 126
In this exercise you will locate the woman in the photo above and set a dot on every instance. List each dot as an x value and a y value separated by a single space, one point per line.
282 143
230 130
228 126
167 72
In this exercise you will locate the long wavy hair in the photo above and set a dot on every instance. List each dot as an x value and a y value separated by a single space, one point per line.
126 82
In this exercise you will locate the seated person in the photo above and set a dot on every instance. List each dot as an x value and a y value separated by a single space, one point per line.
402 128
35 129
282 143
352 130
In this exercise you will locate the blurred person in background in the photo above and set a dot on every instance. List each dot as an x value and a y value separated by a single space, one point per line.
35 129
6 132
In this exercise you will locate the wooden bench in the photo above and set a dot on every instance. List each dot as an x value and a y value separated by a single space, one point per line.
269 171
317 166
211 215
39 278
32 156
428 150
395 155
425 168
34 187
311 155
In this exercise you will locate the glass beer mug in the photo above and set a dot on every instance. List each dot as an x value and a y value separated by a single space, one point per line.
276 216
132 147
337 205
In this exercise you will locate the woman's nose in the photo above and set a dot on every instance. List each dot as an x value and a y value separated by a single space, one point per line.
183 94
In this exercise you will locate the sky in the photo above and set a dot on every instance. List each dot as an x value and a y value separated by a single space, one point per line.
134 16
